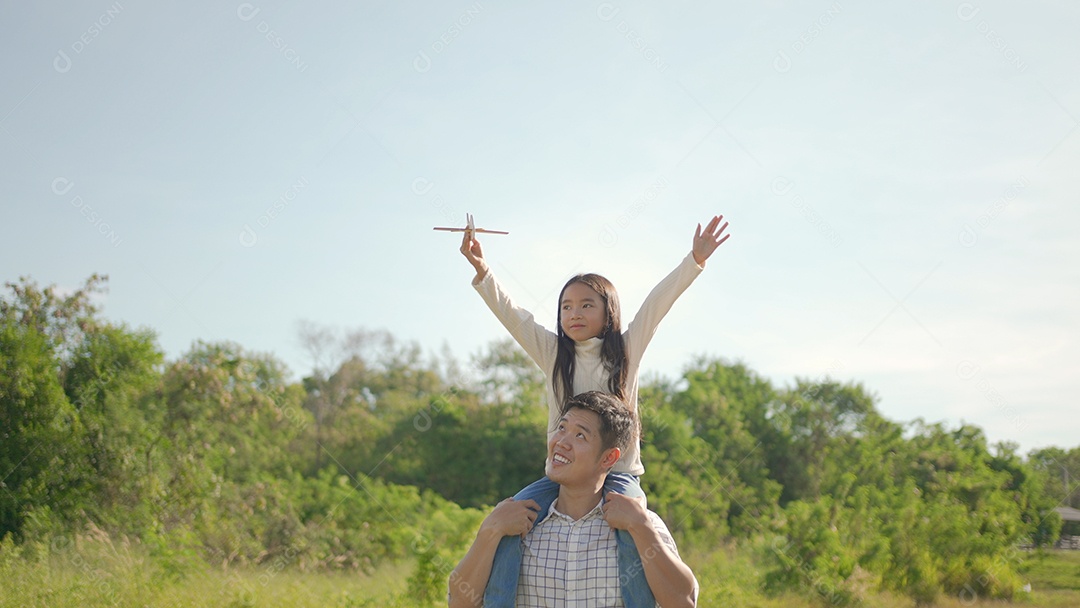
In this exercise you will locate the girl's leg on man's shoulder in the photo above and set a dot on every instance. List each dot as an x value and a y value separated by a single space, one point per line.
543 491
635 589
625 484
501 589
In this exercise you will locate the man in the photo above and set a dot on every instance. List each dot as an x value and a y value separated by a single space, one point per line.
569 558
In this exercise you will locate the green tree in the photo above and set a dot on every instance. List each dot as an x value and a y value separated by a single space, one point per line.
818 424
471 453
727 408
42 461
63 320
229 417
113 378
44 457
1058 473
508 375
1041 525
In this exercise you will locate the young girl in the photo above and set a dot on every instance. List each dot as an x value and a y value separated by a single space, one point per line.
589 351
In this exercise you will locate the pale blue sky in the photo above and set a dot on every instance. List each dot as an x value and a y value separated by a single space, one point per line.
901 179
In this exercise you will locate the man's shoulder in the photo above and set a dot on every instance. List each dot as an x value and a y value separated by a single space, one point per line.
656 520
661 528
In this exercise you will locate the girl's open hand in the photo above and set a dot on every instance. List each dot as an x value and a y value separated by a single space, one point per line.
705 243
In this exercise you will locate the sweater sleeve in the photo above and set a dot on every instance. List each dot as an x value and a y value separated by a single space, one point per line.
537 341
641 330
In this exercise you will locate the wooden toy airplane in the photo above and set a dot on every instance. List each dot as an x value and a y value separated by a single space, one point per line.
470 227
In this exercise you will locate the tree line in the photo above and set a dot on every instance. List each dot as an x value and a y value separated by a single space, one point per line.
384 453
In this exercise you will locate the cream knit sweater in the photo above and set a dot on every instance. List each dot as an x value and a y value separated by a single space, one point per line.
589 373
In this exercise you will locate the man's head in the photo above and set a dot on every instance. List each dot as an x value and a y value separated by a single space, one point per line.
594 430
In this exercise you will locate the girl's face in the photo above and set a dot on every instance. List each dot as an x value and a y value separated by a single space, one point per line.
582 312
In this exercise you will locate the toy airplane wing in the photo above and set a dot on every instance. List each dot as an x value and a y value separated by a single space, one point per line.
470 226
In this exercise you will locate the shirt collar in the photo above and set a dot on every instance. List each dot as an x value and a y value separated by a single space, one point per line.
595 512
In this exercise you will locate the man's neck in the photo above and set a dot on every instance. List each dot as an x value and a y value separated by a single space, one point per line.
576 502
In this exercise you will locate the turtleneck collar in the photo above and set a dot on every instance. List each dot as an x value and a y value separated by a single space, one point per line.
592 345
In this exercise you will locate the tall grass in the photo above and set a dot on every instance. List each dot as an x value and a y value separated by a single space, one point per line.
94 570
91 569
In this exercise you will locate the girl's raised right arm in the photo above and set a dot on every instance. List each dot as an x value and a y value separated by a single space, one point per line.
539 343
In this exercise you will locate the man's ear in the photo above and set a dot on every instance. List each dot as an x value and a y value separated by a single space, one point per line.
610 457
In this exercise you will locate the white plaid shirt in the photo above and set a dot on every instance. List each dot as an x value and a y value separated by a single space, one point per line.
574 563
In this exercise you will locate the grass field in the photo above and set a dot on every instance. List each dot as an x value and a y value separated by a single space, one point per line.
1055 578
101 573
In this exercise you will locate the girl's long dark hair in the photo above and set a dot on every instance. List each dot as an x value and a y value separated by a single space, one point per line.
613 353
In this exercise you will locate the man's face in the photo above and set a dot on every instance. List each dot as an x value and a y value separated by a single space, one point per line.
575 454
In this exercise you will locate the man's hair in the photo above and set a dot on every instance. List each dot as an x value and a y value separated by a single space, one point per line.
618 425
